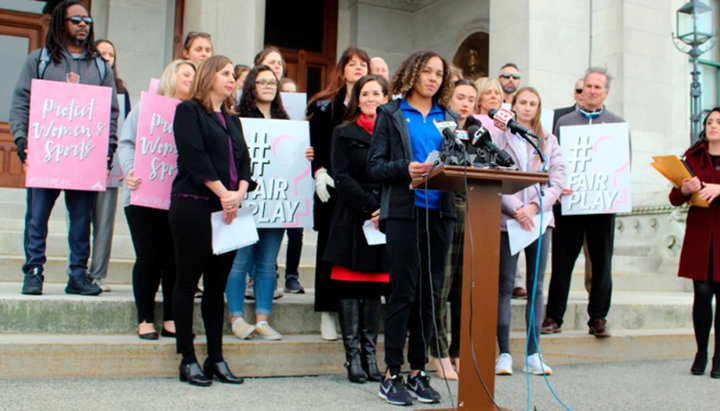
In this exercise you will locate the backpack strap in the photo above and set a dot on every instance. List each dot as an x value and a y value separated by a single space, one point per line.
102 68
45 59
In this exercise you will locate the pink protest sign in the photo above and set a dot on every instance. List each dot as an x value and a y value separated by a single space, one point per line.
155 151
68 133
154 83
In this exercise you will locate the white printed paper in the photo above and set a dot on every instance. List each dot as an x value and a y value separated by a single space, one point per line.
372 234
520 238
228 237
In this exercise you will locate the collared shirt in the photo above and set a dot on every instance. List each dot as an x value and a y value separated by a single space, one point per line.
425 138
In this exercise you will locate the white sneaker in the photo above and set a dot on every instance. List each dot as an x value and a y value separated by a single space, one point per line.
100 283
241 329
266 332
536 366
277 293
503 364
328 331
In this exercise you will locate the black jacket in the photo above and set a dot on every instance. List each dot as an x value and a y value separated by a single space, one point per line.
358 197
388 160
202 146
559 112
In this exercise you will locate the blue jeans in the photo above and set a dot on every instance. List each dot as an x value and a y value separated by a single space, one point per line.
40 202
259 260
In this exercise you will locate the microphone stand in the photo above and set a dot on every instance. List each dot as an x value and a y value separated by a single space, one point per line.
542 155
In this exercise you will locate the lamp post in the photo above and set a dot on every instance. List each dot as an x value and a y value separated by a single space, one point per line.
694 29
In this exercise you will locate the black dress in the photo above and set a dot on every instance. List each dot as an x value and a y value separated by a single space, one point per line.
324 116
358 197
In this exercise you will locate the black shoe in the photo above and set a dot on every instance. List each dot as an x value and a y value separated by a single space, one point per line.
149 336
166 333
198 292
419 385
715 371
33 282
80 284
698 366
193 374
393 391
221 371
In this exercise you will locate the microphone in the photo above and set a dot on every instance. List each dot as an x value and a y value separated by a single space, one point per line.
503 120
481 139
450 135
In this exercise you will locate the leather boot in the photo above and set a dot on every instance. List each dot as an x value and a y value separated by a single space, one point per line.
368 338
350 323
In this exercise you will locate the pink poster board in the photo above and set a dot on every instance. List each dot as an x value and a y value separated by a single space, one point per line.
68 133
154 83
155 151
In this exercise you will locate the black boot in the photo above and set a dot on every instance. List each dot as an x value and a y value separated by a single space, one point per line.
350 323
715 371
698 366
368 338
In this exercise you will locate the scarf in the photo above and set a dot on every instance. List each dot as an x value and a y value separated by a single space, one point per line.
366 123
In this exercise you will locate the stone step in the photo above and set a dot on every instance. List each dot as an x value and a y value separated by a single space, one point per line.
114 312
84 355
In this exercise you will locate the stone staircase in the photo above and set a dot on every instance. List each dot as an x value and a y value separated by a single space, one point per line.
60 335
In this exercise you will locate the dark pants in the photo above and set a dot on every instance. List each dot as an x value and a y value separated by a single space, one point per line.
567 241
154 260
40 202
192 241
326 299
293 252
414 287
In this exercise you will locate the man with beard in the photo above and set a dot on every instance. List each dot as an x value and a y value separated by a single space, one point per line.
509 80
69 55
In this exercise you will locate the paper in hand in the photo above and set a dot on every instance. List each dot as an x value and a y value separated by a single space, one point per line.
372 234
240 233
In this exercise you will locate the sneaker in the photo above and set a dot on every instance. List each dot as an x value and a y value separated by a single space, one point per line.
33 282
249 290
100 283
277 293
599 328
536 366
80 284
503 364
419 386
550 326
292 286
266 332
393 391
241 329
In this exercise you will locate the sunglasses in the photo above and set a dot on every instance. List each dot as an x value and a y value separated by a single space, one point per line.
77 20
509 76
578 91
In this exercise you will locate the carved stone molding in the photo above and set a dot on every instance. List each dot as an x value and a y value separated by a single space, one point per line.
404 5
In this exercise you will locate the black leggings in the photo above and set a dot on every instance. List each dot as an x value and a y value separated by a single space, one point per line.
702 314
154 260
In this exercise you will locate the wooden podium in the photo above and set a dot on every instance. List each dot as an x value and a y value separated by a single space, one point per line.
480 271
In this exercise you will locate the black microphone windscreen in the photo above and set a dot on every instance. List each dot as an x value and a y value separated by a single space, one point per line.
492 112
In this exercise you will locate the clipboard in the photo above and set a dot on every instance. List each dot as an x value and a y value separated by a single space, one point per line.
675 170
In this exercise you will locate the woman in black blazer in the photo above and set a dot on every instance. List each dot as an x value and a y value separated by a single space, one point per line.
213 175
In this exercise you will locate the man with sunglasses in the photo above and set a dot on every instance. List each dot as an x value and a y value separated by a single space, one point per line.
597 229
69 55
509 81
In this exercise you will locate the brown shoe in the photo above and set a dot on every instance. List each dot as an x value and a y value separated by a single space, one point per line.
519 292
550 326
598 328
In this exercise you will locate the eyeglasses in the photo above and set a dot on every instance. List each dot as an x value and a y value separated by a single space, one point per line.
509 76
77 20
578 91
266 83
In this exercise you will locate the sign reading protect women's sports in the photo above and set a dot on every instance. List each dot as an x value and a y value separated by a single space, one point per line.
68 136
597 161
155 151
284 195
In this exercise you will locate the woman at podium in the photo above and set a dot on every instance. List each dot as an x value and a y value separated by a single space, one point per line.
528 210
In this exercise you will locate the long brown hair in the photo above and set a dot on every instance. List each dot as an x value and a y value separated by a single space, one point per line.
248 101
337 77
353 109
408 73
119 84
535 123
203 82
267 50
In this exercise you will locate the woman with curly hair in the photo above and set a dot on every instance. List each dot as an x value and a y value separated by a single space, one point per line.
325 111
418 223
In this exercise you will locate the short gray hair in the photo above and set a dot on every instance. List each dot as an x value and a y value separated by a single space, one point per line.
599 70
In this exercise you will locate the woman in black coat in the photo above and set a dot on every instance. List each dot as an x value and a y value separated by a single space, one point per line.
325 111
360 269
213 175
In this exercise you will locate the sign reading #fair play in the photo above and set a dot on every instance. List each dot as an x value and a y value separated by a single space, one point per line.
68 133
155 151
597 160
284 195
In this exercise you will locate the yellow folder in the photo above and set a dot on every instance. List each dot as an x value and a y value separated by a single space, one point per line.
675 170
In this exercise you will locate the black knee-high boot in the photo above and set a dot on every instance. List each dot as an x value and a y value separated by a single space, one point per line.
368 337
350 324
